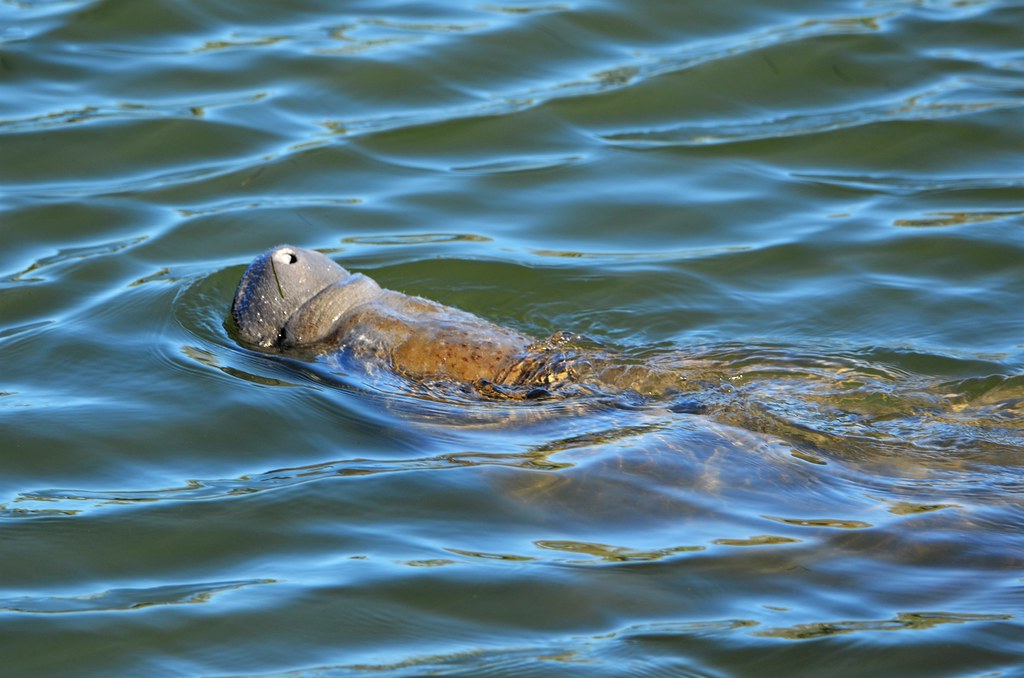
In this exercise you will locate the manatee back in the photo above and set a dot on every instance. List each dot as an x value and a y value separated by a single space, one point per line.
276 284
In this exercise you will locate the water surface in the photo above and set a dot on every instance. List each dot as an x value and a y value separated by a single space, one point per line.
818 212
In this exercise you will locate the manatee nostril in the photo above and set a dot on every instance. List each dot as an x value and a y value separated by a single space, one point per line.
286 256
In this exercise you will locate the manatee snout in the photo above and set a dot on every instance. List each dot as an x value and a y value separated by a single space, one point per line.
276 284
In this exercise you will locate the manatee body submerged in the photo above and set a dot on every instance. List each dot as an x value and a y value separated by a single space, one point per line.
291 298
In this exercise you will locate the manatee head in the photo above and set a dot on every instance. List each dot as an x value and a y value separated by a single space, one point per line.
275 286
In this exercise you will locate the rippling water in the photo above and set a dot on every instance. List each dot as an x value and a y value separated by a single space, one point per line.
816 212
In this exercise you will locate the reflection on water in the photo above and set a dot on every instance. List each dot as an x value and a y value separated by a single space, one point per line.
808 217
905 620
123 599
940 219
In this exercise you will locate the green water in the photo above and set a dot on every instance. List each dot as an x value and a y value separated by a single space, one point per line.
815 211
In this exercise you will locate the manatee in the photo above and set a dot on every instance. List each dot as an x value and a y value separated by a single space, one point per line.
292 299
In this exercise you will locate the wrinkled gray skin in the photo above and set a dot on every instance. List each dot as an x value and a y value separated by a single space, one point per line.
294 299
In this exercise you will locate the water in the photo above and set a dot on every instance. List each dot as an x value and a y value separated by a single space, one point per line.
818 209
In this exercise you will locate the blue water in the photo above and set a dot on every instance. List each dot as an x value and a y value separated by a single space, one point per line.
814 213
